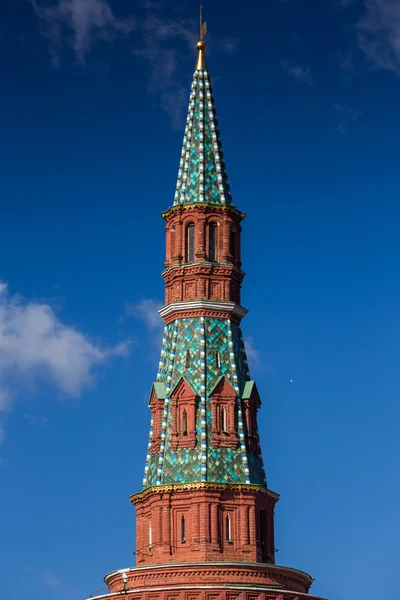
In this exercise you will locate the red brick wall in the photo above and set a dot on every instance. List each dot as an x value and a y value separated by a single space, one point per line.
217 280
205 513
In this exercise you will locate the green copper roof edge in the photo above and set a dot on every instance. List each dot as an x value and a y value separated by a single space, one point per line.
159 388
248 388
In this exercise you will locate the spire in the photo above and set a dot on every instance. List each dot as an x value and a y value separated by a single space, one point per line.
202 175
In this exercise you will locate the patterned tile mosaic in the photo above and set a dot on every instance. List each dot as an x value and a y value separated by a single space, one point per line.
202 175
204 338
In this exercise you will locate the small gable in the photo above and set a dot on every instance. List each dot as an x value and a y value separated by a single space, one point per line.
157 393
250 392
182 389
223 388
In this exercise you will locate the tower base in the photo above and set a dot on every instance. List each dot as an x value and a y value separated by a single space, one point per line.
208 581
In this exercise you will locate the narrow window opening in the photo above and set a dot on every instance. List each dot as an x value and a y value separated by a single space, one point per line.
223 420
183 532
232 242
228 528
187 361
150 536
217 360
263 535
212 242
184 422
172 249
190 243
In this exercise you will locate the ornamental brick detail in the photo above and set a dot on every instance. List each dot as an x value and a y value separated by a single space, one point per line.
223 402
203 255
205 516
184 404
205 524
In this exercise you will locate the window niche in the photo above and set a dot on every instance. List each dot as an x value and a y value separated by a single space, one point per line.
213 242
156 404
251 403
223 406
233 242
184 405
183 529
228 528
190 242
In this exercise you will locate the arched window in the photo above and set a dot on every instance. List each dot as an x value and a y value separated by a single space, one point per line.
172 247
223 420
233 242
150 535
217 360
184 422
187 360
228 528
183 532
213 242
190 242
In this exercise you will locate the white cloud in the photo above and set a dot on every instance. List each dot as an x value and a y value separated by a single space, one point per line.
230 45
253 355
163 61
254 359
49 577
147 311
302 74
37 347
379 34
79 23
348 116
35 420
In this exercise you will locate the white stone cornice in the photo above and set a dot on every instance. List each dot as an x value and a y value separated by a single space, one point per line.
230 307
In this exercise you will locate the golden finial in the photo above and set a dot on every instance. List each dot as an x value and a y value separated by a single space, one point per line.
201 64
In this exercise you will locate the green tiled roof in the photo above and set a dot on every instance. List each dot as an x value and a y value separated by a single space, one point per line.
204 337
159 389
202 173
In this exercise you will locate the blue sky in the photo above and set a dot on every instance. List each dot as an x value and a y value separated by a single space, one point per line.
92 111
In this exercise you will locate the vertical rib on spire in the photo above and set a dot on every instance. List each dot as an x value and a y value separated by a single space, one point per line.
202 175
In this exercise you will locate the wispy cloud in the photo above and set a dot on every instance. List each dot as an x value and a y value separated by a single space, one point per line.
163 61
147 311
230 45
50 579
48 576
80 23
37 347
353 114
302 74
253 357
35 420
379 34
348 116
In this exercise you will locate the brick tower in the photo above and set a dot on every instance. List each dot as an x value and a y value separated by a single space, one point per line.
205 515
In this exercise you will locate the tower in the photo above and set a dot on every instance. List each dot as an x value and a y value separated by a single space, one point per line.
205 515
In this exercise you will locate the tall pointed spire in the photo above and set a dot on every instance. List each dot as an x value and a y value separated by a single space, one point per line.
202 175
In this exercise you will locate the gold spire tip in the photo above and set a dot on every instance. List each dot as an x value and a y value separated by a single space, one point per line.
201 64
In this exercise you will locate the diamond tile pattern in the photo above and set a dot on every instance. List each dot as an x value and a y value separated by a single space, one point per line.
202 175
223 464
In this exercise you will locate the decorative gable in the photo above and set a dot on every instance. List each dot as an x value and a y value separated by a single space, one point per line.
156 404
223 406
184 405
251 403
